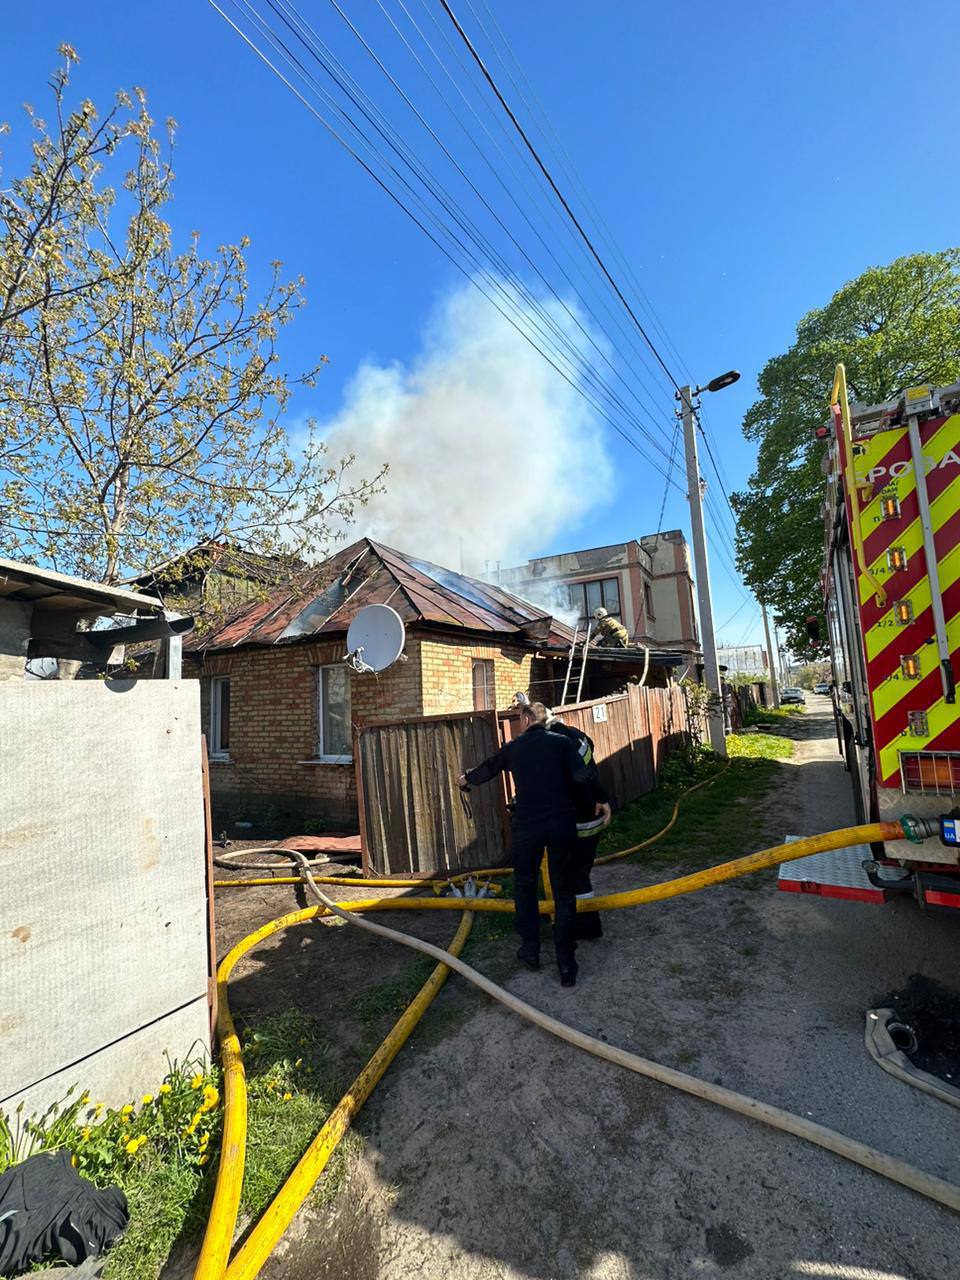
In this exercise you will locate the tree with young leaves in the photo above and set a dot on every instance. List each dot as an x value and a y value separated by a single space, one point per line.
893 327
141 395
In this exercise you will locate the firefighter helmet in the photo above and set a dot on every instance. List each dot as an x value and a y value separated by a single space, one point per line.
599 614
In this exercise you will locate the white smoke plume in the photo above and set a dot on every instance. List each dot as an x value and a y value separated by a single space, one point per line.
489 449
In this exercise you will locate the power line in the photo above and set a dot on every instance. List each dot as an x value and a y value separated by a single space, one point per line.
547 354
666 487
389 134
615 314
557 192
554 139
487 205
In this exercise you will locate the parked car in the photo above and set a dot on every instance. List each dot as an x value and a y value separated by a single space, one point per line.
791 695
822 687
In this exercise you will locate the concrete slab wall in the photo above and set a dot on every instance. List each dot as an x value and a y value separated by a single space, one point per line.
103 936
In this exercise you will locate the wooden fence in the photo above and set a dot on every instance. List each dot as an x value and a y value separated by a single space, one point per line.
411 818
744 698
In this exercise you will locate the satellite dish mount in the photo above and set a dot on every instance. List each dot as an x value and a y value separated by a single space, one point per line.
375 639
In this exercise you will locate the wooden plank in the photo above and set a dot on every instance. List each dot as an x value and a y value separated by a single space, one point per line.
414 822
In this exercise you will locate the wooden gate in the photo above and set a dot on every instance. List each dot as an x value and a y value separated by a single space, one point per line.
412 819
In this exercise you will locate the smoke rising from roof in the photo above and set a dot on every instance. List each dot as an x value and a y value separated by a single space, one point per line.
486 443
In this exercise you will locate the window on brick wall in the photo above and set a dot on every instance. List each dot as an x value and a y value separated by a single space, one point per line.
585 597
484 694
333 715
220 718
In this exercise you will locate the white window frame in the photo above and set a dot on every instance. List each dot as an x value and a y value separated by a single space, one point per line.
323 756
488 669
217 751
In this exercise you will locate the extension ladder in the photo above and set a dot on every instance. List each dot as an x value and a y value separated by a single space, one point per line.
576 664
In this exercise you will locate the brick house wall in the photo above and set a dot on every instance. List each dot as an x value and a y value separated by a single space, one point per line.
447 673
273 778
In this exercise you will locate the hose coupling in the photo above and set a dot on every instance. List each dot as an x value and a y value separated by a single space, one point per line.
916 830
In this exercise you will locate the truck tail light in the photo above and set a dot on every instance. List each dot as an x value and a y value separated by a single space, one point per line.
890 508
937 771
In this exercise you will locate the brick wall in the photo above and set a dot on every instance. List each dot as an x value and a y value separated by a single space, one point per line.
447 673
272 777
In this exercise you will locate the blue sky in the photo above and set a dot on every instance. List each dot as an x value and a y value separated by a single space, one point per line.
748 159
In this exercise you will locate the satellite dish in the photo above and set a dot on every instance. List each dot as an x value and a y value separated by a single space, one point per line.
376 638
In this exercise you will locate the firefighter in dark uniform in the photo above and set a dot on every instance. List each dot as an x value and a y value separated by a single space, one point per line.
611 634
590 825
545 768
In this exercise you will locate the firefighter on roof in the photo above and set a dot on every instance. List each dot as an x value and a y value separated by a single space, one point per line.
611 634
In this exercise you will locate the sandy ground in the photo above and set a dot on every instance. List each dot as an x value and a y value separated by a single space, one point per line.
498 1152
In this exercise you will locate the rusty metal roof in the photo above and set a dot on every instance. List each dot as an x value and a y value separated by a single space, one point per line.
323 602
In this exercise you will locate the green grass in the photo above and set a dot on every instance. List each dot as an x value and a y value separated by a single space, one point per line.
759 746
719 821
292 1086
773 715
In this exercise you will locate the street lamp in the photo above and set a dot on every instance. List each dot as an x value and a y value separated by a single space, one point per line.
711 670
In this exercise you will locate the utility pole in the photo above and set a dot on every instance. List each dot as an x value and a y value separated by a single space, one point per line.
771 657
711 669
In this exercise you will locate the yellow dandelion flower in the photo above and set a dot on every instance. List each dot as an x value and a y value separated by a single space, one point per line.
203 1159
127 1110
85 1099
165 1088
147 1099
287 1097
98 1110
204 1140
124 1119
131 1147
85 1134
196 1082
211 1096
141 1141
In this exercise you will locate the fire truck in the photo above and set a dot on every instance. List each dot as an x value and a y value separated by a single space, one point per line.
891 582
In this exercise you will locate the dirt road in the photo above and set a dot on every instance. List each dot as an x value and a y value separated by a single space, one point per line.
497 1152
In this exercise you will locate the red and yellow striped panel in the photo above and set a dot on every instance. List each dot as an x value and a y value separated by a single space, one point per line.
884 466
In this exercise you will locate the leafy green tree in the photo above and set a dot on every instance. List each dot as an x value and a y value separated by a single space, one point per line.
894 327
141 396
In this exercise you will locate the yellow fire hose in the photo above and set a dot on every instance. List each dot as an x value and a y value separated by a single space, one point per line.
221 1225
213 1263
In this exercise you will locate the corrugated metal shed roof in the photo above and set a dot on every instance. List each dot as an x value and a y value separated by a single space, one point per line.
324 601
